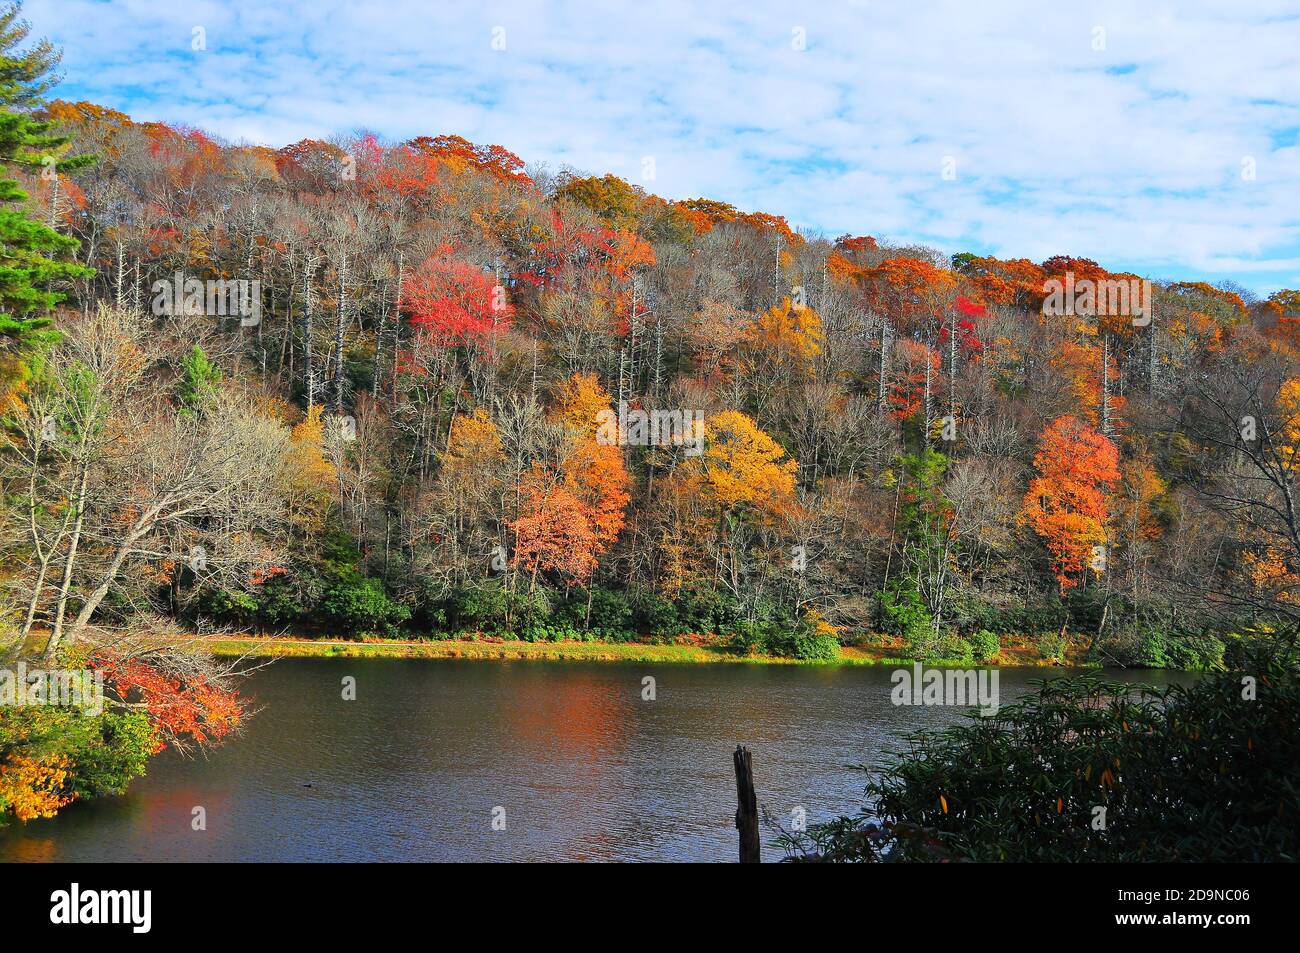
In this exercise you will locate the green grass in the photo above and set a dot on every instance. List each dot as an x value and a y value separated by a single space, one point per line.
554 651
463 648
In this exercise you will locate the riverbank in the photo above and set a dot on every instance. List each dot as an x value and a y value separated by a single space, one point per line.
1014 656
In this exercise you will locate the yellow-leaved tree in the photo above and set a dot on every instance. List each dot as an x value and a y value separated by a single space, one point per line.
311 476
462 516
713 503
32 787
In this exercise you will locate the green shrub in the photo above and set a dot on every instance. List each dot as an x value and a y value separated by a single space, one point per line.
542 632
527 608
799 642
279 603
969 613
903 613
106 751
1051 645
272 605
357 606
227 608
928 645
1139 644
1151 651
199 381
1041 613
984 645
114 754
705 610
922 643
655 616
1201 653
1187 773
482 607
820 648
429 601
953 648
749 638
610 611
783 640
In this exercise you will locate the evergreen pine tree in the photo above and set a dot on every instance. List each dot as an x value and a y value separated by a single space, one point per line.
33 257
199 379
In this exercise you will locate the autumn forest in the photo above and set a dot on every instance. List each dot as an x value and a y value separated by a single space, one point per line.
892 441
354 390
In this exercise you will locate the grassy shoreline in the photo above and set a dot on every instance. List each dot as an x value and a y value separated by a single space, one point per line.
482 649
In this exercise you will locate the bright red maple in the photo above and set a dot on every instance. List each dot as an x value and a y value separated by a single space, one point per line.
455 301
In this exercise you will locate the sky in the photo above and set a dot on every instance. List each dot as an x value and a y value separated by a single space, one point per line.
1158 138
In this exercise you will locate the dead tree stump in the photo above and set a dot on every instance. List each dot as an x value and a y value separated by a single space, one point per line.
747 807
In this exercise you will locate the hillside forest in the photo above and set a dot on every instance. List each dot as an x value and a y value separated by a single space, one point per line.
457 394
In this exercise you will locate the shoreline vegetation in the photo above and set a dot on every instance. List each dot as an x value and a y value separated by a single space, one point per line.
1019 654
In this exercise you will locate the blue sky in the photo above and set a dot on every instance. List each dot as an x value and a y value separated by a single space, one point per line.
1154 137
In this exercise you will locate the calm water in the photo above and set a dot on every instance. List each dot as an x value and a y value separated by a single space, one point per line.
413 769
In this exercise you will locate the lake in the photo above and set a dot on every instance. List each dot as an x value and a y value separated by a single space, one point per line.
568 754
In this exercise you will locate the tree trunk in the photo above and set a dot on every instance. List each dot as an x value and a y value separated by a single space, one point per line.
65 583
338 338
44 554
308 383
106 583
383 327
929 393
119 292
1151 356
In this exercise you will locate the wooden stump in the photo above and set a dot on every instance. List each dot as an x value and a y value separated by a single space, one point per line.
747 808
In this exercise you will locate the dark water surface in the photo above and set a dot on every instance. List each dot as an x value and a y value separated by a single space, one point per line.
413 769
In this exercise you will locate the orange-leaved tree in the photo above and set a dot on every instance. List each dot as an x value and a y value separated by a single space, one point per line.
785 339
1066 502
571 514
188 704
